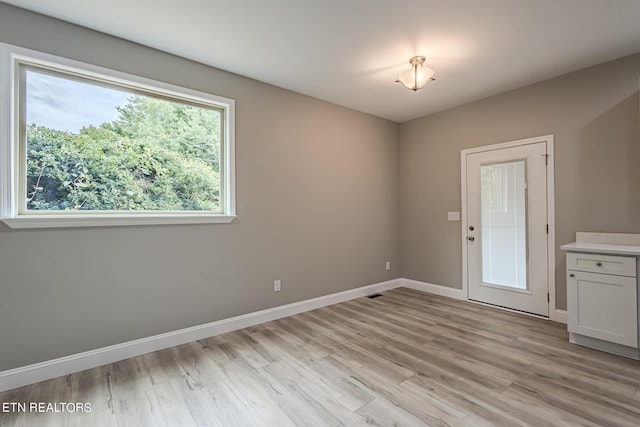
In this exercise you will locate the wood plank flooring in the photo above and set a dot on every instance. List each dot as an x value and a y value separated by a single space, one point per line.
403 359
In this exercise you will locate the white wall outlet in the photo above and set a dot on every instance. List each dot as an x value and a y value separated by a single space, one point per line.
277 285
387 265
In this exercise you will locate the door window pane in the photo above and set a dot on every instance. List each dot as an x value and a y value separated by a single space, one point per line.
504 236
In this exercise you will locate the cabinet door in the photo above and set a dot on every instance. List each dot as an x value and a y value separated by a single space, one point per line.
603 306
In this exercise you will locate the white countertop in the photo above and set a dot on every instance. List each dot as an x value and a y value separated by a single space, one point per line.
602 248
605 243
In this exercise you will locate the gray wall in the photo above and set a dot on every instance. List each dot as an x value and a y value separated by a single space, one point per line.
592 113
316 198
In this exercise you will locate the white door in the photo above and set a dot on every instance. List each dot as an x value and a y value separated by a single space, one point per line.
507 228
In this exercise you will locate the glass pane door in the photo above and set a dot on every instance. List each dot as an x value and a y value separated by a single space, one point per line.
504 221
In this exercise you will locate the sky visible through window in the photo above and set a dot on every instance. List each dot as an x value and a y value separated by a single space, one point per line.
69 105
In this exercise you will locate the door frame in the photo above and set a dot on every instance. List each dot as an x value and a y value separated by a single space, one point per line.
551 239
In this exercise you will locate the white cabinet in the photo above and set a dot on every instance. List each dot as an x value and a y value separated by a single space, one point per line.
603 306
602 301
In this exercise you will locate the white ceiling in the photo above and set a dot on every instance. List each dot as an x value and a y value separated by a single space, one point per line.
349 52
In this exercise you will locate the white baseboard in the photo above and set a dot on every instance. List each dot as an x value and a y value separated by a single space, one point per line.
433 289
561 316
43 371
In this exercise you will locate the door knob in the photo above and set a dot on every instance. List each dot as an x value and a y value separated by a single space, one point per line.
471 238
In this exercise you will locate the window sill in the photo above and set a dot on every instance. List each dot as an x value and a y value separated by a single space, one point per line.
112 220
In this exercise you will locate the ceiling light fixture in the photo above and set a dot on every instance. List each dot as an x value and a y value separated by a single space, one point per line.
417 76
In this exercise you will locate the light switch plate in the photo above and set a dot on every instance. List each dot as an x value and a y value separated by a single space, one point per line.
453 216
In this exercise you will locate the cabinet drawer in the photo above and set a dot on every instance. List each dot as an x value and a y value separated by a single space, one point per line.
607 264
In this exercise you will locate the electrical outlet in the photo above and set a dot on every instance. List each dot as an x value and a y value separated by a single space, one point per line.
387 265
276 285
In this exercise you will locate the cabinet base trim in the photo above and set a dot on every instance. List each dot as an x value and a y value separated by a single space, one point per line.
609 347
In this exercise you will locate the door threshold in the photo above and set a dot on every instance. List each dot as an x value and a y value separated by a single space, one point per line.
511 310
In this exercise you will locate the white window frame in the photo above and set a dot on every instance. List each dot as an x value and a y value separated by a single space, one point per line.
10 144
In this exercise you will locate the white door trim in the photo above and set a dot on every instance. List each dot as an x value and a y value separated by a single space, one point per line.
551 241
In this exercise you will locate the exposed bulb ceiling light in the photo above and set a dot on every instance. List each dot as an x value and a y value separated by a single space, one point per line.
417 76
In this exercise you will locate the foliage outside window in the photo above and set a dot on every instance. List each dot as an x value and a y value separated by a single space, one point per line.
89 143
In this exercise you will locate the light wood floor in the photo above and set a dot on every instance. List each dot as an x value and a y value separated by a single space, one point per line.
405 359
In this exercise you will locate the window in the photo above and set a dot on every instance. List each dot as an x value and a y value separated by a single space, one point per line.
86 146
